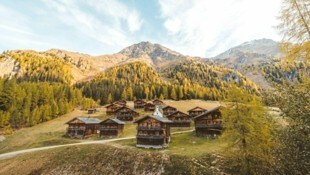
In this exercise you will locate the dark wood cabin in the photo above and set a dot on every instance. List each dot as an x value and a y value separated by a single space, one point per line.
158 102
179 119
81 127
209 123
111 127
91 110
126 114
121 102
111 108
196 111
153 132
149 107
139 104
167 110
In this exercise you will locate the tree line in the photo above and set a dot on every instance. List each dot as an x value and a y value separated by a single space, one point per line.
28 103
139 81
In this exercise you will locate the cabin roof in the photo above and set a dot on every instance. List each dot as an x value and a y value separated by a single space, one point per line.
168 107
160 119
197 107
139 100
157 100
86 120
125 107
207 112
176 113
112 104
114 120
150 104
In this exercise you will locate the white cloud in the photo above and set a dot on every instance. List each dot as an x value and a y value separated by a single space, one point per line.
208 27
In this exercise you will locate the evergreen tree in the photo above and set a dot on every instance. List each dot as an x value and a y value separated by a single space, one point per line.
249 128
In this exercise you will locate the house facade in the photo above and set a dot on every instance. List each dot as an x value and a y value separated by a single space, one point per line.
111 127
153 131
158 102
81 127
139 104
167 110
126 114
111 108
196 111
179 119
149 107
209 123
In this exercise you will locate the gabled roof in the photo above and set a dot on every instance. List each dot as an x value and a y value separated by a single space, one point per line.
176 113
160 119
168 107
112 104
150 104
123 108
158 100
86 120
139 100
197 107
208 111
114 120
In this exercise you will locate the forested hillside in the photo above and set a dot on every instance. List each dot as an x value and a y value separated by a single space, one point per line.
187 80
29 103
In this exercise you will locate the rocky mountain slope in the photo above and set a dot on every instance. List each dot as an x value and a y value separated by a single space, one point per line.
83 66
249 58
253 52
252 59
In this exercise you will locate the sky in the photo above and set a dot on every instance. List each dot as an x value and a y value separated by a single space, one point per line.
203 28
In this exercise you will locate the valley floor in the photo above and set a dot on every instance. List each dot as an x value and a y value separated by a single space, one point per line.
52 153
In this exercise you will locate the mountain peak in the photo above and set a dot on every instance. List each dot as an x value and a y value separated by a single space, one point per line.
154 51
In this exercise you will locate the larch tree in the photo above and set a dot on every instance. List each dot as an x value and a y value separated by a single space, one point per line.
294 152
248 128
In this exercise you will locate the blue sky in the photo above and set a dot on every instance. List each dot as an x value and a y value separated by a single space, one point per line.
202 28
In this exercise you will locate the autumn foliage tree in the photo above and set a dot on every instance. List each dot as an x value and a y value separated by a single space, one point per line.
249 128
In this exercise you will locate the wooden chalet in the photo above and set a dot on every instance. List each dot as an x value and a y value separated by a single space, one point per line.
111 127
179 119
81 127
209 123
126 114
153 131
139 104
196 111
91 110
121 102
167 110
149 107
111 108
158 102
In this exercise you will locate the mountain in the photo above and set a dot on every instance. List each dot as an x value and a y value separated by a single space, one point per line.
83 67
252 52
250 57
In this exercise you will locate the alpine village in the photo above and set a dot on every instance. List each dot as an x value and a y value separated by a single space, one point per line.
155 87
153 130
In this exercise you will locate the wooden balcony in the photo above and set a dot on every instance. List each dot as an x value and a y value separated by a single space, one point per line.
150 136
76 129
182 121
209 126
152 128
108 129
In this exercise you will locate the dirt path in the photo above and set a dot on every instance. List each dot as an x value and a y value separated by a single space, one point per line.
15 153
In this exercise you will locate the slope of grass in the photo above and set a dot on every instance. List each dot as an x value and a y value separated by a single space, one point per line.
104 159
